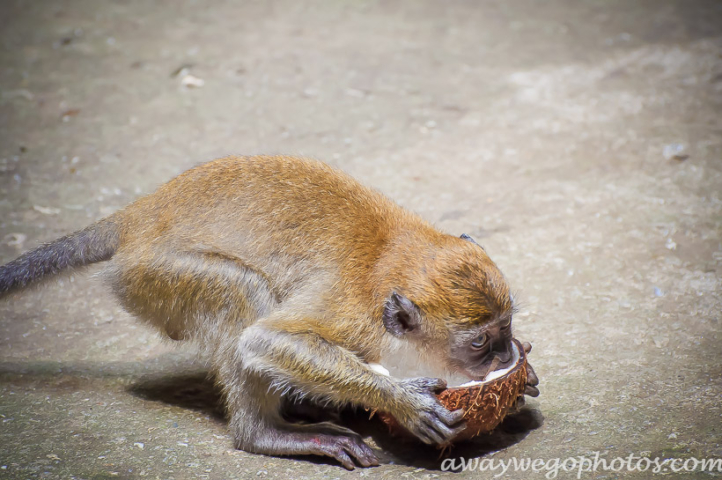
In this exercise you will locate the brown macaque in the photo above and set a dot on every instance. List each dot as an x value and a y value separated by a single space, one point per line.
293 278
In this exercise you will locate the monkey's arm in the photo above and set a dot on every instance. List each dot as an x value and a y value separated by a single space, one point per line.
312 366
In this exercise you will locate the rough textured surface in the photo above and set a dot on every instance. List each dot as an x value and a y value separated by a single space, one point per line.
546 130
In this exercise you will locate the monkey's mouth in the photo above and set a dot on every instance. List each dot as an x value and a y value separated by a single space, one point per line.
495 373
455 381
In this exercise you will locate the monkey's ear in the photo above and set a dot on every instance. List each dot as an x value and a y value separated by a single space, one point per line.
401 315
466 237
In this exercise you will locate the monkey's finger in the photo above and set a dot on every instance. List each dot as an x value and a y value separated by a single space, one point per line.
358 449
450 418
371 460
446 432
434 384
527 347
340 455
367 452
430 432
531 377
531 391
422 435
360 458
436 426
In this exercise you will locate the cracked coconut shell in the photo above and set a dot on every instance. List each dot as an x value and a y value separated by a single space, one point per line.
485 402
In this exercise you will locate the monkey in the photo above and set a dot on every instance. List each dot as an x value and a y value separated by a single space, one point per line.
293 278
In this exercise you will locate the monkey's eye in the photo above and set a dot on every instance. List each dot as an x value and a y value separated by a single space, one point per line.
504 324
480 341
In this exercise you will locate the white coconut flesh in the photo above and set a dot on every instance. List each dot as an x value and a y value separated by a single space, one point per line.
516 356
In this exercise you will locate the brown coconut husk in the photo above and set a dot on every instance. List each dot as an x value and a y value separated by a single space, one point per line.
485 405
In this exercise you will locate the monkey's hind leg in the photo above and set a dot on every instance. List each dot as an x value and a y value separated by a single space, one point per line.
212 297
255 419
194 294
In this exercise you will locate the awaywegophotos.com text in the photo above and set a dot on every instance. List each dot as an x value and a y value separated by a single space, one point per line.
582 465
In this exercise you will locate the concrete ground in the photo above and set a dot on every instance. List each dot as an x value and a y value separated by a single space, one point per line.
579 142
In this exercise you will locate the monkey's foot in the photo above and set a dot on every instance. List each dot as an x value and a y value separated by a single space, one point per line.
327 440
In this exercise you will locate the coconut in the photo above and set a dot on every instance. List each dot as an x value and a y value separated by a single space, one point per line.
485 402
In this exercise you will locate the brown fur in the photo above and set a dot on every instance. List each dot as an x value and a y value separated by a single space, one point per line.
281 269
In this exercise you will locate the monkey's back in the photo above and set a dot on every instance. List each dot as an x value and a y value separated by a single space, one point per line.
272 204
291 224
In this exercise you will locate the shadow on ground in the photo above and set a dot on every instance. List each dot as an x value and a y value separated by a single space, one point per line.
193 391
197 391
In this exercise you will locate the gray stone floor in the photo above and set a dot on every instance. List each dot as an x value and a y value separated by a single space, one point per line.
580 142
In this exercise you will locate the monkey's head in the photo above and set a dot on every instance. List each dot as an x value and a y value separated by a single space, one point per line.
455 306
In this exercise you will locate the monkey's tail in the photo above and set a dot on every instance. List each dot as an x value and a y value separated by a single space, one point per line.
95 243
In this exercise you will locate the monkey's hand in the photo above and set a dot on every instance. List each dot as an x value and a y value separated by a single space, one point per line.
423 415
531 379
